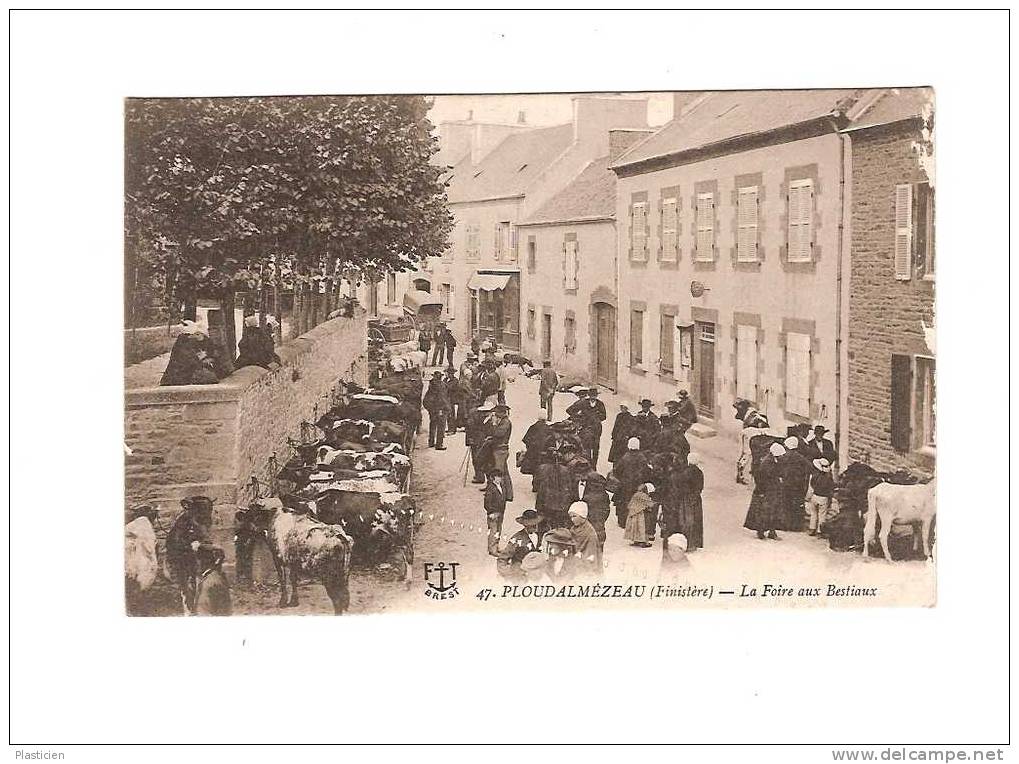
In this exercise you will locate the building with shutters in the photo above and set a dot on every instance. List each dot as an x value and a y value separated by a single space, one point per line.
891 397
480 277
568 261
734 255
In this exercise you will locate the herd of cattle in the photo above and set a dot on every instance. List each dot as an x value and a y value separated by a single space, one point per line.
340 501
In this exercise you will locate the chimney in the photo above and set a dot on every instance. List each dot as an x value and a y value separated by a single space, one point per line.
620 140
594 117
521 117
683 100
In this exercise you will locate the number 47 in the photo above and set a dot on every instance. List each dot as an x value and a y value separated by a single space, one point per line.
484 594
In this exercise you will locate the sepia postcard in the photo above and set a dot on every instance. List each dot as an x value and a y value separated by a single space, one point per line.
530 352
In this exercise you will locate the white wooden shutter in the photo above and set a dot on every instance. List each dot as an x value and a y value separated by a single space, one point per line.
797 374
640 231
705 226
746 244
670 219
801 214
746 362
570 264
903 231
576 264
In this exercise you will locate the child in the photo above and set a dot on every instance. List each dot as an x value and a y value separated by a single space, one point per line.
213 591
495 508
641 512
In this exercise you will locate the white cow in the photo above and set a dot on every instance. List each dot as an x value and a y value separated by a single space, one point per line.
900 505
140 562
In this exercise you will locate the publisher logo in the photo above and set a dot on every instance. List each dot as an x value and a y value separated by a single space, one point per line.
441 580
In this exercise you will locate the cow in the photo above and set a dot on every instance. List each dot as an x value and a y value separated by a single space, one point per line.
900 505
189 529
141 565
301 545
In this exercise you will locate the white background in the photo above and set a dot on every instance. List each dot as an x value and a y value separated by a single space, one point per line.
83 673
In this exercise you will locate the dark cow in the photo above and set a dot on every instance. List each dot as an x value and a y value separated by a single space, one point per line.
189 529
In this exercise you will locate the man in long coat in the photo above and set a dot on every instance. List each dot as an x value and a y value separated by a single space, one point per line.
673 435
436 403
795 470
623 428
495 447
475 434
631 470
589 412
591 489
646 425
687 410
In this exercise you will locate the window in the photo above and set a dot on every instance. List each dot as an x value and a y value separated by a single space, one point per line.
570 327
473 242
391 289
638 232
570 264
532 255
797 374
705 250
746 362
801 221
746 221
446 293
913 394
666 342
636 337
530 323
670 226
914 230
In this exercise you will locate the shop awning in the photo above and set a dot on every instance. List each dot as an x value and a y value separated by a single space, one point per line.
489 282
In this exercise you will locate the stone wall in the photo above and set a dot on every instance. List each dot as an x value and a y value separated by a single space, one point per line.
884 312
210 439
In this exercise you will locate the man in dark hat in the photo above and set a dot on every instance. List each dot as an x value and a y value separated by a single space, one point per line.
436 403
547 386
521 543
474 436
495 508
591 489
819 447
687 410
439 344
589 412
495 447
646 424
623 428
672 438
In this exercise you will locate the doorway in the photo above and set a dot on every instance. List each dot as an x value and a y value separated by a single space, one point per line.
546 336
705 365
605 344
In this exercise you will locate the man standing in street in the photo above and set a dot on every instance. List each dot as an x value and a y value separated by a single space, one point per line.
547 387
687 410
439 346
436 403
646 425
589 413
495 508
475 435
672 438
450 342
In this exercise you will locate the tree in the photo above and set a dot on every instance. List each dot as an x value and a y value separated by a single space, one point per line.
218 189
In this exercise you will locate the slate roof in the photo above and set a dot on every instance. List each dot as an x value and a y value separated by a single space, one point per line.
511 166
590 194
894 105
720 116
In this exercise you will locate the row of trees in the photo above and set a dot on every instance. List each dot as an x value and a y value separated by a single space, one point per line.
279 194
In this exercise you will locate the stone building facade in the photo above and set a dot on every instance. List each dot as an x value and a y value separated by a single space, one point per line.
891 302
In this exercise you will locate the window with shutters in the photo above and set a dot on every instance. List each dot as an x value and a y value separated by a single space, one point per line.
801 221
532 255
903 231
666 342
531 316
570 331
705 215
746 362
473 244
571 265
925 229
636 338
670 228
923 402
638 232
746 221
797 374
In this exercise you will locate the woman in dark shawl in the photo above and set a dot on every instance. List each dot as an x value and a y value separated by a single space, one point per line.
690 510
765 513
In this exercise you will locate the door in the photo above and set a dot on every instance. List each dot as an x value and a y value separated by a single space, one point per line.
605 345
706 368
546 336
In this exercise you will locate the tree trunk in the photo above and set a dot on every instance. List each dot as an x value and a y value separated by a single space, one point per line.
297 315
229 325
277 310
314 307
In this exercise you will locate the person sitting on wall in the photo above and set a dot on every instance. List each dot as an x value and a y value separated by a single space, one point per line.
192 359
256 346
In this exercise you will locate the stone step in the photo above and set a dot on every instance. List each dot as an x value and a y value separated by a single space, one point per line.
701 430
